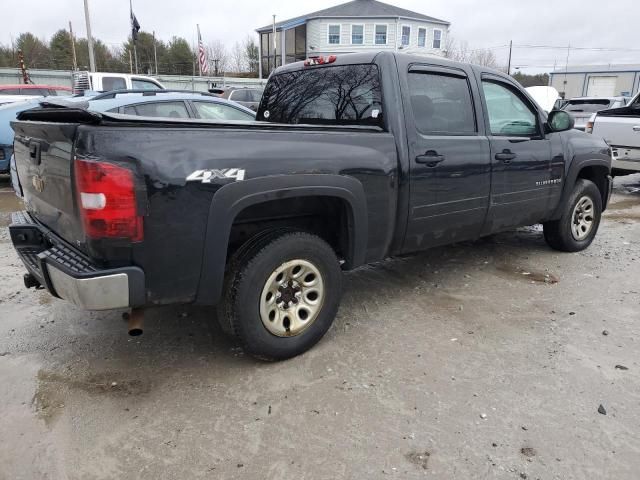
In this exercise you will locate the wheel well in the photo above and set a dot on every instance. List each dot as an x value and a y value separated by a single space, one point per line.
327 217
598 175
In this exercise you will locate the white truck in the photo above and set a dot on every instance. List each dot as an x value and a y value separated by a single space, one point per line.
620 128
105 82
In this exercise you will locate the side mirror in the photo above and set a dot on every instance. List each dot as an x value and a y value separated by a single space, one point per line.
560 121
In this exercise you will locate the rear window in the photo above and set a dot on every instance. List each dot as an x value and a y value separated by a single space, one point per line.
587 106
338 95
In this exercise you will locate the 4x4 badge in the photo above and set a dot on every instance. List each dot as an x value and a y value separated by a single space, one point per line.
209 176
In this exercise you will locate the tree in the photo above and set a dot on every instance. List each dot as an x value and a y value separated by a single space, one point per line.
252 55
237 58
541 79
144 48
8 56
460 52
180 57
36 52
61 52
218 57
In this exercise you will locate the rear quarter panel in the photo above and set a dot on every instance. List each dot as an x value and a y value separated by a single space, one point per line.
177 211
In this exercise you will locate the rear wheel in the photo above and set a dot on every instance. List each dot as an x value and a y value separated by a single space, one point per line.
578 225
281 294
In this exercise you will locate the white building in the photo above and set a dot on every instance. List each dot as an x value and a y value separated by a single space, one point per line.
597 81
356 26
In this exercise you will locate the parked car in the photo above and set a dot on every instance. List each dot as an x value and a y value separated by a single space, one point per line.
162 103
249 97
106 82
581 108
354 159
620 128
170 104
15 93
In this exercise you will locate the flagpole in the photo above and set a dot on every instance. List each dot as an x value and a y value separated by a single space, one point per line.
199 42
133 39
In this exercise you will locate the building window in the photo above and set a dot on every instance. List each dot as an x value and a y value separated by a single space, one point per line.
381 34
334 34
422 37
357 34
271 59
437 39
406 35
295 40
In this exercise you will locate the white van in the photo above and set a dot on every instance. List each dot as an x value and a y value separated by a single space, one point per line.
106 82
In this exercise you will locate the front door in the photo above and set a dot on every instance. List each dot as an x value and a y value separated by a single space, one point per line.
522 180
449 154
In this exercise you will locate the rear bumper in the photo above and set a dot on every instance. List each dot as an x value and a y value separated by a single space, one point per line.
66 273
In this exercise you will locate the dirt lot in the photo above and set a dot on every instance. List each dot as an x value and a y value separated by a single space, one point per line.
483 360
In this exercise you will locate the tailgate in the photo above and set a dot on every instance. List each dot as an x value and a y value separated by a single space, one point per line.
618 131
44 160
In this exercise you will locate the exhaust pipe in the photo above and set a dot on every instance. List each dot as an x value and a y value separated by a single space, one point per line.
135 321
30 281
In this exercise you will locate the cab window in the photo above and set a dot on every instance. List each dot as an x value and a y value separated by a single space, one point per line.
509 115
441 104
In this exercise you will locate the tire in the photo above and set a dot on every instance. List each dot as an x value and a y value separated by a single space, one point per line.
578 225
281 294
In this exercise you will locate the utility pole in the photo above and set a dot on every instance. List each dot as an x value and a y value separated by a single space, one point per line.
215 66
509 63
155 53
92 58
566 67
130 62
73 47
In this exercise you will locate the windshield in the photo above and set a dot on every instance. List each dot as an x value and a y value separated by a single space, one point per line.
587 106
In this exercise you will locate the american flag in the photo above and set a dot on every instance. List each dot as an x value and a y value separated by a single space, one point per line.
202 55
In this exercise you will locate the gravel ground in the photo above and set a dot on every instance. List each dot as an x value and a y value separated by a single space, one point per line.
480 360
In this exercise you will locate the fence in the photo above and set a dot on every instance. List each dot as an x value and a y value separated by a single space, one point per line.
183 82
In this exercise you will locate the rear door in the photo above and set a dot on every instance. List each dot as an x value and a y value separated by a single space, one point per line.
523 179
449 155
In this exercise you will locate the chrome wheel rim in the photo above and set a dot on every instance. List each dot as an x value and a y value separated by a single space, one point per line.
292 298
582 218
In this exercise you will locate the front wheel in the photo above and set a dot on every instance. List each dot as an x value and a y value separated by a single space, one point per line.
578 225
281 294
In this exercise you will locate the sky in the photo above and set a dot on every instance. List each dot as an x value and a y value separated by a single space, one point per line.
610 25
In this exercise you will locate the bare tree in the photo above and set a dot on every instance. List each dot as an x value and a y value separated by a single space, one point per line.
461 52
252 54
238 58
218 56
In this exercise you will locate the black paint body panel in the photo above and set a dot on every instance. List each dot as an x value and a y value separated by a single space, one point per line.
394 204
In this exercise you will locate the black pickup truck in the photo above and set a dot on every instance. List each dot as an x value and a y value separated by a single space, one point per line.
351 160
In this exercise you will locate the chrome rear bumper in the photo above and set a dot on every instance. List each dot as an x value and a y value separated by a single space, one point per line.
66 273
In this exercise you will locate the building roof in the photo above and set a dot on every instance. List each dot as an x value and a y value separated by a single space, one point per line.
355 9
599 68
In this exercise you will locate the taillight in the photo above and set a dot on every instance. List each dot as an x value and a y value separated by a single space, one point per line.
319 60
107 201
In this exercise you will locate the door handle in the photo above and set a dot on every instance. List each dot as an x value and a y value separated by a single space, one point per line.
636 128
505 156
431 158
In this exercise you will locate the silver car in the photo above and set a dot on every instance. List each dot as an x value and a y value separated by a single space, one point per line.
581 108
